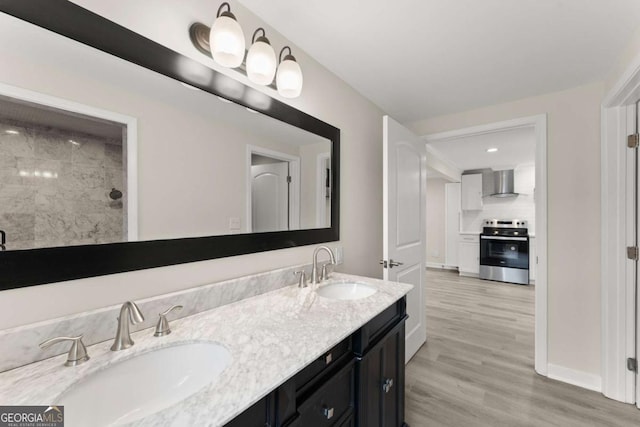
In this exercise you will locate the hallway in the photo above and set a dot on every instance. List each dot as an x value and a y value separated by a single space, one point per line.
477 366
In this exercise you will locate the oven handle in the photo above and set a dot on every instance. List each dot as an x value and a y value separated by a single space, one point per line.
520 239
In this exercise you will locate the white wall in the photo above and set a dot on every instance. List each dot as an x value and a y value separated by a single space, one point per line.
521 207
309 165
436 207
324 96
573 213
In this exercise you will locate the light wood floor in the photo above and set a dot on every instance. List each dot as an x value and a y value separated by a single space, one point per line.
477 366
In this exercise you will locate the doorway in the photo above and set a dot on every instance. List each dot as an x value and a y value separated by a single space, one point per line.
538 125
273 195
619 236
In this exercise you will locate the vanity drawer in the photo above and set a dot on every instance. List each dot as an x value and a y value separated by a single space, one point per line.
332 404
313 373
373 331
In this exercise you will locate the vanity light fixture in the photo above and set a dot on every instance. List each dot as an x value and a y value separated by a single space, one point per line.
226 39
289 76
491 150
261 60
12 132
225 42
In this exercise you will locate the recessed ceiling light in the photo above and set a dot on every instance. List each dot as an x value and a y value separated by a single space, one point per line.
12 132
491 150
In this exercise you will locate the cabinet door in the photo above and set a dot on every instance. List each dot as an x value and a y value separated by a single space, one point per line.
380 377
471 190
469 258
532 259
391 383
452 223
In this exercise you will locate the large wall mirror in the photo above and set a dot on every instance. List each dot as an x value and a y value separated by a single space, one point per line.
126 155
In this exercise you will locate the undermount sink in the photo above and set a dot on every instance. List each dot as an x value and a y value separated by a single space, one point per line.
346 290
145 384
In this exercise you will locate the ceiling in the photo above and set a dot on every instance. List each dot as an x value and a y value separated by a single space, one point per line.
516 147
26 113
422 58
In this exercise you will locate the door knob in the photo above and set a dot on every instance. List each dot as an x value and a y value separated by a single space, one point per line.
393 263
390 264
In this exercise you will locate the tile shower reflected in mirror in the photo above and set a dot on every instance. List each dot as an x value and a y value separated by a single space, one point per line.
62 178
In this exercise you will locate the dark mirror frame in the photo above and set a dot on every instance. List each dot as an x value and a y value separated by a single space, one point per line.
23 268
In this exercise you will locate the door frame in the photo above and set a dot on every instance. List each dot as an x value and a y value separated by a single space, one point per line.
321 209
294 188
539 124
617 229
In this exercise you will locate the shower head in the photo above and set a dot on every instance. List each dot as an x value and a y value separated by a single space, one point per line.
115 194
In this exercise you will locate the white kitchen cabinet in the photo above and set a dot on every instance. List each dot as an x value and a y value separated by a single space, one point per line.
452 223
469 255
532 259
471 192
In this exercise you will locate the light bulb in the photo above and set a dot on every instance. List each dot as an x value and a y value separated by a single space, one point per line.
261 61
289 76
226 40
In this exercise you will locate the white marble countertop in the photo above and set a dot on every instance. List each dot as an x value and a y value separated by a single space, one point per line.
271 337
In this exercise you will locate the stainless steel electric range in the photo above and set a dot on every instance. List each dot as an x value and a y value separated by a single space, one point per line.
504 251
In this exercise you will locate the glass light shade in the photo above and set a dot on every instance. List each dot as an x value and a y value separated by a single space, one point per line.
289 79
226 40
261 63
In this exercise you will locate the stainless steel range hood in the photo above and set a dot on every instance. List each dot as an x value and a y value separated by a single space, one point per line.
503 184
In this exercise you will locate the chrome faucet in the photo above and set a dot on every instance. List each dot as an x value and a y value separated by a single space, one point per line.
128 313
314 270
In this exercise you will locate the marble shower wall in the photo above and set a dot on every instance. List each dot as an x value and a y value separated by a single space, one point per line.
55 185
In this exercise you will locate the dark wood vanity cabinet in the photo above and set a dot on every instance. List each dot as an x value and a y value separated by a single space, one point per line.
357 383
261 414
380 379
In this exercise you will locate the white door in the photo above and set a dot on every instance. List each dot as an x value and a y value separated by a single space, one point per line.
269 197
404 222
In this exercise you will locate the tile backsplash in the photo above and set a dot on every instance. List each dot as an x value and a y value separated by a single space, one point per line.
20 345
521 207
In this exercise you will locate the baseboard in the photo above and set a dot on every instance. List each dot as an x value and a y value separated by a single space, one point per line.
440 266
465 274
577 378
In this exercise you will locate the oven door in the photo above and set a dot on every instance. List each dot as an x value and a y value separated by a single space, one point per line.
499 251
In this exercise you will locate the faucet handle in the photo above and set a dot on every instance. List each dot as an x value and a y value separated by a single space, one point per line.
162 327
325 271
77 353
302 279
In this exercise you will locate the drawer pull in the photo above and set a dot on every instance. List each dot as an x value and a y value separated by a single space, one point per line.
328 359
387 385
328 413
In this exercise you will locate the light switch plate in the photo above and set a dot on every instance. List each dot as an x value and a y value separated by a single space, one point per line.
234 223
